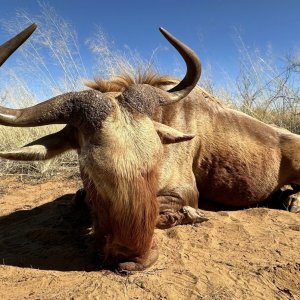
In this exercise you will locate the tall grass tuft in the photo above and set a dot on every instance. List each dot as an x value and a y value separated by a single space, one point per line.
267 87
51 60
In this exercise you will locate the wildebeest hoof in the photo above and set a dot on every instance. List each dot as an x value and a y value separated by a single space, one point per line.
186 215
193 215
169 218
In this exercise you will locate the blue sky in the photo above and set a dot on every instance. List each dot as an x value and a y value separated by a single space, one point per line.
208 26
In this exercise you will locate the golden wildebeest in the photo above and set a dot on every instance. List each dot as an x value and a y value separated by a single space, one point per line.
145 147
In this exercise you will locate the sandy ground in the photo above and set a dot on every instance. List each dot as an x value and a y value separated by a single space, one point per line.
46 252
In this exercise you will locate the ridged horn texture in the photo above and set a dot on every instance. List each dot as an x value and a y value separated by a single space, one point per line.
193 73
12 45
86 108
56 110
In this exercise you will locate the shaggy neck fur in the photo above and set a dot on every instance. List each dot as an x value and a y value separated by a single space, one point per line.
124 199
133 215
124 223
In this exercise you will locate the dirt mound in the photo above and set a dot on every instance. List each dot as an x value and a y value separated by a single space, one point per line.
46 252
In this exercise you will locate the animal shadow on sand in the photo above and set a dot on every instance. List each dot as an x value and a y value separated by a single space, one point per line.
53 236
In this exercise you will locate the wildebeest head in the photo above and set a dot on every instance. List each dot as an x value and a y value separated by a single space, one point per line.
99 118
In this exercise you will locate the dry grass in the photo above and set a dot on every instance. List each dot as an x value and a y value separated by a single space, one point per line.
52 49
267 86
13 137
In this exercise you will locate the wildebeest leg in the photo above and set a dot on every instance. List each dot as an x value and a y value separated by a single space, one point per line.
79 199
186 215
176 209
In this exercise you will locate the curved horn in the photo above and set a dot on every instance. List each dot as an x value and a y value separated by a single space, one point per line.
57 110
68 108
53 111
85 108
10 46
32 116
193 69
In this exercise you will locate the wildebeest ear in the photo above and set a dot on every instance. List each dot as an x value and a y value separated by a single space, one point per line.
169 135
43 148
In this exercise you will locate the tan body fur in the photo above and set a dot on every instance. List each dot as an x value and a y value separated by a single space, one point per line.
234 159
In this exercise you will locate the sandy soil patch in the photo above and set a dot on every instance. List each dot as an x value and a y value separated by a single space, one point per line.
46 252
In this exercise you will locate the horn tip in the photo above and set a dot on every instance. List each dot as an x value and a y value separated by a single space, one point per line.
163 30
33 25
31 28
166 34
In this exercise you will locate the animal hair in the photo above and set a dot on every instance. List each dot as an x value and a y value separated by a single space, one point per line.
209 96
117 226
127 79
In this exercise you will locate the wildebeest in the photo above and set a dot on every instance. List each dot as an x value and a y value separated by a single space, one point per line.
152 144
120 149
